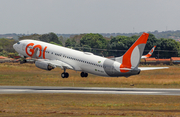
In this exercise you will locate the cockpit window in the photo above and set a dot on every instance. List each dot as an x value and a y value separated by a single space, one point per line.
18 42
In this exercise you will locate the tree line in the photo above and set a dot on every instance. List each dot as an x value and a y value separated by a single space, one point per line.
117 46
99 45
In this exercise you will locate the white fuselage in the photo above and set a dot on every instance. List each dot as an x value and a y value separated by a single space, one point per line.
80 61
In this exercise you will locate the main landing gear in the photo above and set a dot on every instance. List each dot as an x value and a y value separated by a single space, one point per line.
83 74
65 74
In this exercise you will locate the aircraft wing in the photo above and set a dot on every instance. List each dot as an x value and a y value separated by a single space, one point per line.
56 63
151 68
150 53
52 63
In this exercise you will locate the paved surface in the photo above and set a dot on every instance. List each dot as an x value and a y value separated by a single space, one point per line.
87 90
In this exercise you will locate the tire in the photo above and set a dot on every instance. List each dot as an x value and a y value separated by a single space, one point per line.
86 75
63 75
66 75
82 74
24 61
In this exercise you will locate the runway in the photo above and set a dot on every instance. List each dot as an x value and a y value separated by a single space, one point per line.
87 90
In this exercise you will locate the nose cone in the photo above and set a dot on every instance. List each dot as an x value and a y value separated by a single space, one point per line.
14 46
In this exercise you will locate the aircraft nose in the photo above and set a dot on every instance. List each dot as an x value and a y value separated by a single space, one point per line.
14 46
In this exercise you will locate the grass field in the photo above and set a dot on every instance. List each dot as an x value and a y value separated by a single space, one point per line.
29 75
87 104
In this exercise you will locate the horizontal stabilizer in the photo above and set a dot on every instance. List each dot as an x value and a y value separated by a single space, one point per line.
151 68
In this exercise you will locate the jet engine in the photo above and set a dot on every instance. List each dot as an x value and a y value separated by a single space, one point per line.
43 65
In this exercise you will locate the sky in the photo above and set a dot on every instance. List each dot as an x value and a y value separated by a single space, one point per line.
88 16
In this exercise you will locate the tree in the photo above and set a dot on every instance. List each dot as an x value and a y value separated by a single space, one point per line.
55 43
152 41
68 43
33 36
73 43
95 41
121 43
51 37
7 44
170 46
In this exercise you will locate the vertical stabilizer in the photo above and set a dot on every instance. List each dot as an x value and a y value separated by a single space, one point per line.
132 57
150 53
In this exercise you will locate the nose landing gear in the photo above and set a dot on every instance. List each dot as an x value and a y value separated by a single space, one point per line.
23 60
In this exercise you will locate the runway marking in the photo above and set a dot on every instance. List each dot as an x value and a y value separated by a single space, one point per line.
73 91
87 90
12 90
77 91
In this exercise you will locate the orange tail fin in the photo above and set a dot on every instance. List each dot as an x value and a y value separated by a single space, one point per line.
132 57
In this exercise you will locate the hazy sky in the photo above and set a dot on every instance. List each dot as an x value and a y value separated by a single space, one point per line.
88 16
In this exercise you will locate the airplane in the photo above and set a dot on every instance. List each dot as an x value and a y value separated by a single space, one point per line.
50 56
149 54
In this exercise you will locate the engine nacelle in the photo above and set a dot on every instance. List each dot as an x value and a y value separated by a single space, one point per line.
43 65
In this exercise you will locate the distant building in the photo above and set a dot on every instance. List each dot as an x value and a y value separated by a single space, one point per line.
175 59
9 37
2 57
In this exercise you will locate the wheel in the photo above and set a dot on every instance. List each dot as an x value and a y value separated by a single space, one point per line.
66 75
86 75
63 75
82 74
24 61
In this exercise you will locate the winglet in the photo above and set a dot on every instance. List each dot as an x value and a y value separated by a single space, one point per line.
150 53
